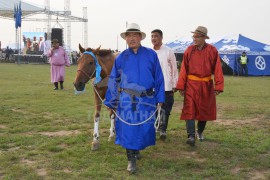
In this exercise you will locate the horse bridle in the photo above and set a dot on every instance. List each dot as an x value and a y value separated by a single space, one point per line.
90 77
80 70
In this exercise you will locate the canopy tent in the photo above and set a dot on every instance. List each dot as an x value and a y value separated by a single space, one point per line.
231 48
7 8
179 45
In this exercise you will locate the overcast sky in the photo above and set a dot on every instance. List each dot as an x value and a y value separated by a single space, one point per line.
176 18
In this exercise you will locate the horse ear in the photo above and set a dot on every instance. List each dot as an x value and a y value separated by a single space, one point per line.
82 50
97 50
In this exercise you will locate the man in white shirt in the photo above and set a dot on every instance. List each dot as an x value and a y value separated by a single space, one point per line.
41 43
46 47
169 68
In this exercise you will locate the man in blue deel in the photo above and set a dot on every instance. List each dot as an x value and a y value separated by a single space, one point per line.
135 91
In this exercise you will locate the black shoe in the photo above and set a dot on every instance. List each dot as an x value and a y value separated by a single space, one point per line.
162 135
191 141
56 88
200 136
131 168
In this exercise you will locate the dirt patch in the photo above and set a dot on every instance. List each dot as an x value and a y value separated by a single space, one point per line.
230 122
67 171
14 149
236 170
3 127
176 154
19 111
42 172
47 115
60 133
27 162
254 174
193 155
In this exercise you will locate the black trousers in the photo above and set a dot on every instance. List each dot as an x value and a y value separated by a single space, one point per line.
243 70
166 109
132 154
190 125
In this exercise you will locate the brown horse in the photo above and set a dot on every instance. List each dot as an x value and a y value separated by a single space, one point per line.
86 71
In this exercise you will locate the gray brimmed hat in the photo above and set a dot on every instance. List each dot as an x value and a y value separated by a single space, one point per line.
201 30
133 27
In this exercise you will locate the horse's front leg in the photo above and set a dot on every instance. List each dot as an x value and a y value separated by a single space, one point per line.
96 143
112 128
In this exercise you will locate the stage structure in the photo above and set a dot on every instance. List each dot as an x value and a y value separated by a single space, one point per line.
51 16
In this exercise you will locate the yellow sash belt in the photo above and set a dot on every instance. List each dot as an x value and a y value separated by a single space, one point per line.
196 78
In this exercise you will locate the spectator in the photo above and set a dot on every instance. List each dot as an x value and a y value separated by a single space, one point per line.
58 60
243 61
8 51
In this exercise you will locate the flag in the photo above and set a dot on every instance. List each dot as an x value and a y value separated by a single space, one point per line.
15 12
19 15
15 15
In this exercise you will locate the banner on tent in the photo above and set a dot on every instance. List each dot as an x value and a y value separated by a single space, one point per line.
257 65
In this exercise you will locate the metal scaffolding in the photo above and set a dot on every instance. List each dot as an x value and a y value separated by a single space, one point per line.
67 24
29 10
85 29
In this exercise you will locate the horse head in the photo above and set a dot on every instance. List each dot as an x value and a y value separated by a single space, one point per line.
87 66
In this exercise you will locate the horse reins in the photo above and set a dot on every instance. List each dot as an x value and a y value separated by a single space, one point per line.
90 77
158 109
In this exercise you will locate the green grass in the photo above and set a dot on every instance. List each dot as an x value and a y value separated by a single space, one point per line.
237 145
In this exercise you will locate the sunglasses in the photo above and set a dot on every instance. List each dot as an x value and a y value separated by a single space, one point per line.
196 37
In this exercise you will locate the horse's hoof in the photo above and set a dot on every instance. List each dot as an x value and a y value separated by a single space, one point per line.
111 138
95 145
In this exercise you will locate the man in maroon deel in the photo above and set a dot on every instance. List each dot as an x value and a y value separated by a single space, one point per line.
195 83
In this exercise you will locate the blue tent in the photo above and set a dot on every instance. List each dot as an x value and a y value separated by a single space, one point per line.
179 45
230 48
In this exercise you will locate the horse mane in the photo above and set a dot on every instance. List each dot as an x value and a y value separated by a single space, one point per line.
104 52
101 52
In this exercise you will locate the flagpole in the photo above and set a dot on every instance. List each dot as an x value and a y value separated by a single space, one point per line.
20 45
20 31
17 45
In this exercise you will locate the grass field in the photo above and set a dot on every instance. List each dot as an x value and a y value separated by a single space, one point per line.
47 134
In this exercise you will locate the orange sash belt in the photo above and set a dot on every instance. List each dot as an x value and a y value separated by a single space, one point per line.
196 78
